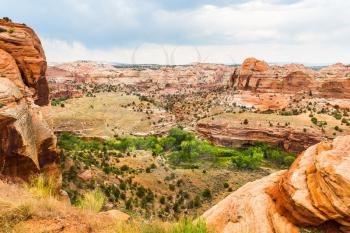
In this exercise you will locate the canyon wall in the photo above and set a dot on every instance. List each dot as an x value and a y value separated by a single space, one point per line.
27 143
314 192
259 77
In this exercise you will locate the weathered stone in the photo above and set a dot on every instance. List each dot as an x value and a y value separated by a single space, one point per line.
315 191
27 143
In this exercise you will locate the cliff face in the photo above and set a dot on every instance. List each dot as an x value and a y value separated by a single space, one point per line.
27 143
238 135
315 191
257 76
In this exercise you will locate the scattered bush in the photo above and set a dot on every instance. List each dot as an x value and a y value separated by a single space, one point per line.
122 185
207 193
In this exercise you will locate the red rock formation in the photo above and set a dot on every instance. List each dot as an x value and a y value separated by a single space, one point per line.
238 135
253 64
27 143
315 191
255 75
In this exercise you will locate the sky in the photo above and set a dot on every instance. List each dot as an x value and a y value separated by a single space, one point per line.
185 31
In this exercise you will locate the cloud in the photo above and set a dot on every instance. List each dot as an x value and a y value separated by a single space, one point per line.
276 30
169 54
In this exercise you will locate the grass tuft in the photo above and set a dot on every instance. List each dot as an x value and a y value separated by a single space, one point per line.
11 215
41 186
185 225
92 201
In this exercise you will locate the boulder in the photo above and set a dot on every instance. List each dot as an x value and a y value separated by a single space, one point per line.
314 192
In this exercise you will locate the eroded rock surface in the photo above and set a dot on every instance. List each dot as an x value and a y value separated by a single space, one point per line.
27 143
315 191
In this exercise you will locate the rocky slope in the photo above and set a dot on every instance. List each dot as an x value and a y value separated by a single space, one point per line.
314 192
27 143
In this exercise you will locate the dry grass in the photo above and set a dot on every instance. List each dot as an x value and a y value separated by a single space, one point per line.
184 225
21 211
41 186
11 214
92 201
104 115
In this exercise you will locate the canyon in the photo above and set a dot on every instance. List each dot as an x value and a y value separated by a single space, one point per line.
165 142
195 95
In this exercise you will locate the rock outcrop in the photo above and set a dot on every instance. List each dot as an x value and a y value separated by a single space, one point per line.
238 135
257 76
27 143
314 192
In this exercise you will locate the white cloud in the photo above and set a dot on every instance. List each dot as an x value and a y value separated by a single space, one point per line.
310 31
313 53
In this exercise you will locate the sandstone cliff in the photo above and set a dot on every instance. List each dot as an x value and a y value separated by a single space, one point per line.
257 76
315 191
27 143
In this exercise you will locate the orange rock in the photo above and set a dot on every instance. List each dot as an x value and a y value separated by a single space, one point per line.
24 46
27 143
254 64
249 210
315 191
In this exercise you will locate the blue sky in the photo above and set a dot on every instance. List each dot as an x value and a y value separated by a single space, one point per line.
184 31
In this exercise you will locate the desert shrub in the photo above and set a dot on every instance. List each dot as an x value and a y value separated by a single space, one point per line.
226 185
112 192
128 204
124 168
140 191
337 128
7 19
58 101
2 104
314 120
149 196
171 187
206 193
92 201
11 30
162 200
122 185
337 115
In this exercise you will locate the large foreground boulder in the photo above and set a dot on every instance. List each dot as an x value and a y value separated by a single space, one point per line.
27 142
314 192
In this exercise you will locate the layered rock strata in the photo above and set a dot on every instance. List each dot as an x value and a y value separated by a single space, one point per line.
27 143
